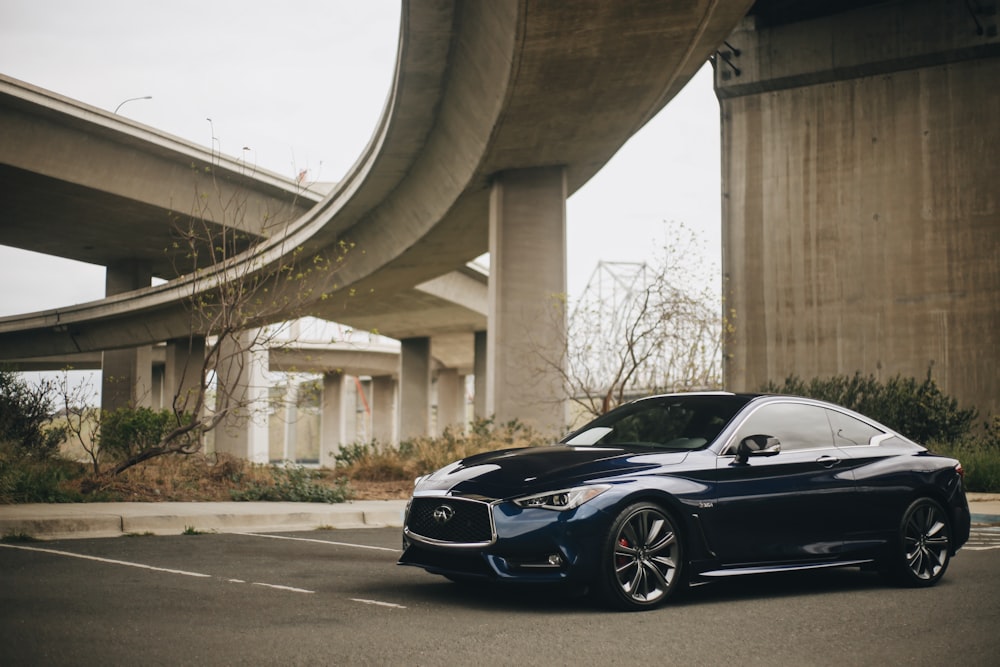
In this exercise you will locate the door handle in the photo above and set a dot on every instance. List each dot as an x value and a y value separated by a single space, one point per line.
828 461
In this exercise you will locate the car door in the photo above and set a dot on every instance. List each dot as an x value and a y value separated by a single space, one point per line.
786 506
875 457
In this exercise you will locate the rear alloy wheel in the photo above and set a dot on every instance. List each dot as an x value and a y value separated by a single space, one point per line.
642 558
924 544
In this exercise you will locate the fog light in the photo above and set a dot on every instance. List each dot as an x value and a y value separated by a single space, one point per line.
555 560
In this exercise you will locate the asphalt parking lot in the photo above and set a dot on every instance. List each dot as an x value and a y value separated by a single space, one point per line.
337 597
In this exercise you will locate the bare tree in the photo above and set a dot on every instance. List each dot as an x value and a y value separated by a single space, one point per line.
230 317
640 329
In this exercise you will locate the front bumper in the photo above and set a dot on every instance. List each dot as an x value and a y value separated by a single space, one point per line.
528 545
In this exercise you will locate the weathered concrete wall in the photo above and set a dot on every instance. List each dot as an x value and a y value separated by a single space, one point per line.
861 198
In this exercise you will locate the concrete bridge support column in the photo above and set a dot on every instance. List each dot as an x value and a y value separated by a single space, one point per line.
861 222
479 373
333 420
242 388
127 375
450 400
182 374
527 289
414 387
384 409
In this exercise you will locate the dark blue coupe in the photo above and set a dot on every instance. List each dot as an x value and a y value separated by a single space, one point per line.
688 488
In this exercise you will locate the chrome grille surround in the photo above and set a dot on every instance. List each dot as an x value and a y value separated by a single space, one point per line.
450 521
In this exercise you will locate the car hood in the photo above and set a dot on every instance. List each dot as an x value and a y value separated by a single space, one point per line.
513 472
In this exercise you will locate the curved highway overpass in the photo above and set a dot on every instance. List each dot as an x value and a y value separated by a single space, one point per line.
498 111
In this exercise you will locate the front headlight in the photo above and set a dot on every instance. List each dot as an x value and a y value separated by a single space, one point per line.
564 499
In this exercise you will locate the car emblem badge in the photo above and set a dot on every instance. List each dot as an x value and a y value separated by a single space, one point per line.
443 513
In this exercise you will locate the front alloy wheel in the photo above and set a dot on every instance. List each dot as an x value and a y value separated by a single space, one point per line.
925 541
642 559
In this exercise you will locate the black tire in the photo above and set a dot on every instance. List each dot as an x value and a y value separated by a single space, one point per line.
923 545
642 558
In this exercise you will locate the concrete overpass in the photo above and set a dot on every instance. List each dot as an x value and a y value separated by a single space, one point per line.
489 126
859 216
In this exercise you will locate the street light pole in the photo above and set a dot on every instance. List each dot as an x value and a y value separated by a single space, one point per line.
132 99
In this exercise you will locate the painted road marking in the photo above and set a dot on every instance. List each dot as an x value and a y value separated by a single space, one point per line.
983 539
377 603
106 560
283 588
309 539
126 563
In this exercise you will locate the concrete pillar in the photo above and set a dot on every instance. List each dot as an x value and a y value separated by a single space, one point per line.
414 387
242 389
384 409
156 396
290 444
527 290
127 375
182 379
450 400
333 417
464 416
860 209
479 372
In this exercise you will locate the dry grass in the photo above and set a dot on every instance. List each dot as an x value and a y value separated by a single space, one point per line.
374 462
363 472
173 478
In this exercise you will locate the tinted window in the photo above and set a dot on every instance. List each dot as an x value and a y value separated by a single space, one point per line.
795 425
669 422
850 432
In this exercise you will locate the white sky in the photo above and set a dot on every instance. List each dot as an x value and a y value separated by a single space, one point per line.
302 85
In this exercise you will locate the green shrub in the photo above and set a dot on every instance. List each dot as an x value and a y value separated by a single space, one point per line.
25 416
294 483
979 454
918 410
126 432
26 479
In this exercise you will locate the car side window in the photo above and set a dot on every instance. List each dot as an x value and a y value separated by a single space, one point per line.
850 432
795 425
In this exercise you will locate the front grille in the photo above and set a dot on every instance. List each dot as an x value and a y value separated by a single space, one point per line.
446 520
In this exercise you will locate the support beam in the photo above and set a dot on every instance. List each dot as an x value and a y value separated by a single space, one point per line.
527 317
127 374
479 371
414 388
860 214
384 409
450 400
333 430
182 379
242 388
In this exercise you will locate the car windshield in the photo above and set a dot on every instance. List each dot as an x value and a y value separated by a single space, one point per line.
663 422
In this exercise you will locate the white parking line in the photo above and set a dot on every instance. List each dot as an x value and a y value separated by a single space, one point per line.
149 567
309 539
392 605
283 588
105 560
983 539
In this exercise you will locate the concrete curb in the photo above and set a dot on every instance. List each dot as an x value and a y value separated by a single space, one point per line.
54 522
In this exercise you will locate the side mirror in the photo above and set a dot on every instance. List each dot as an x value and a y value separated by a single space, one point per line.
756 445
